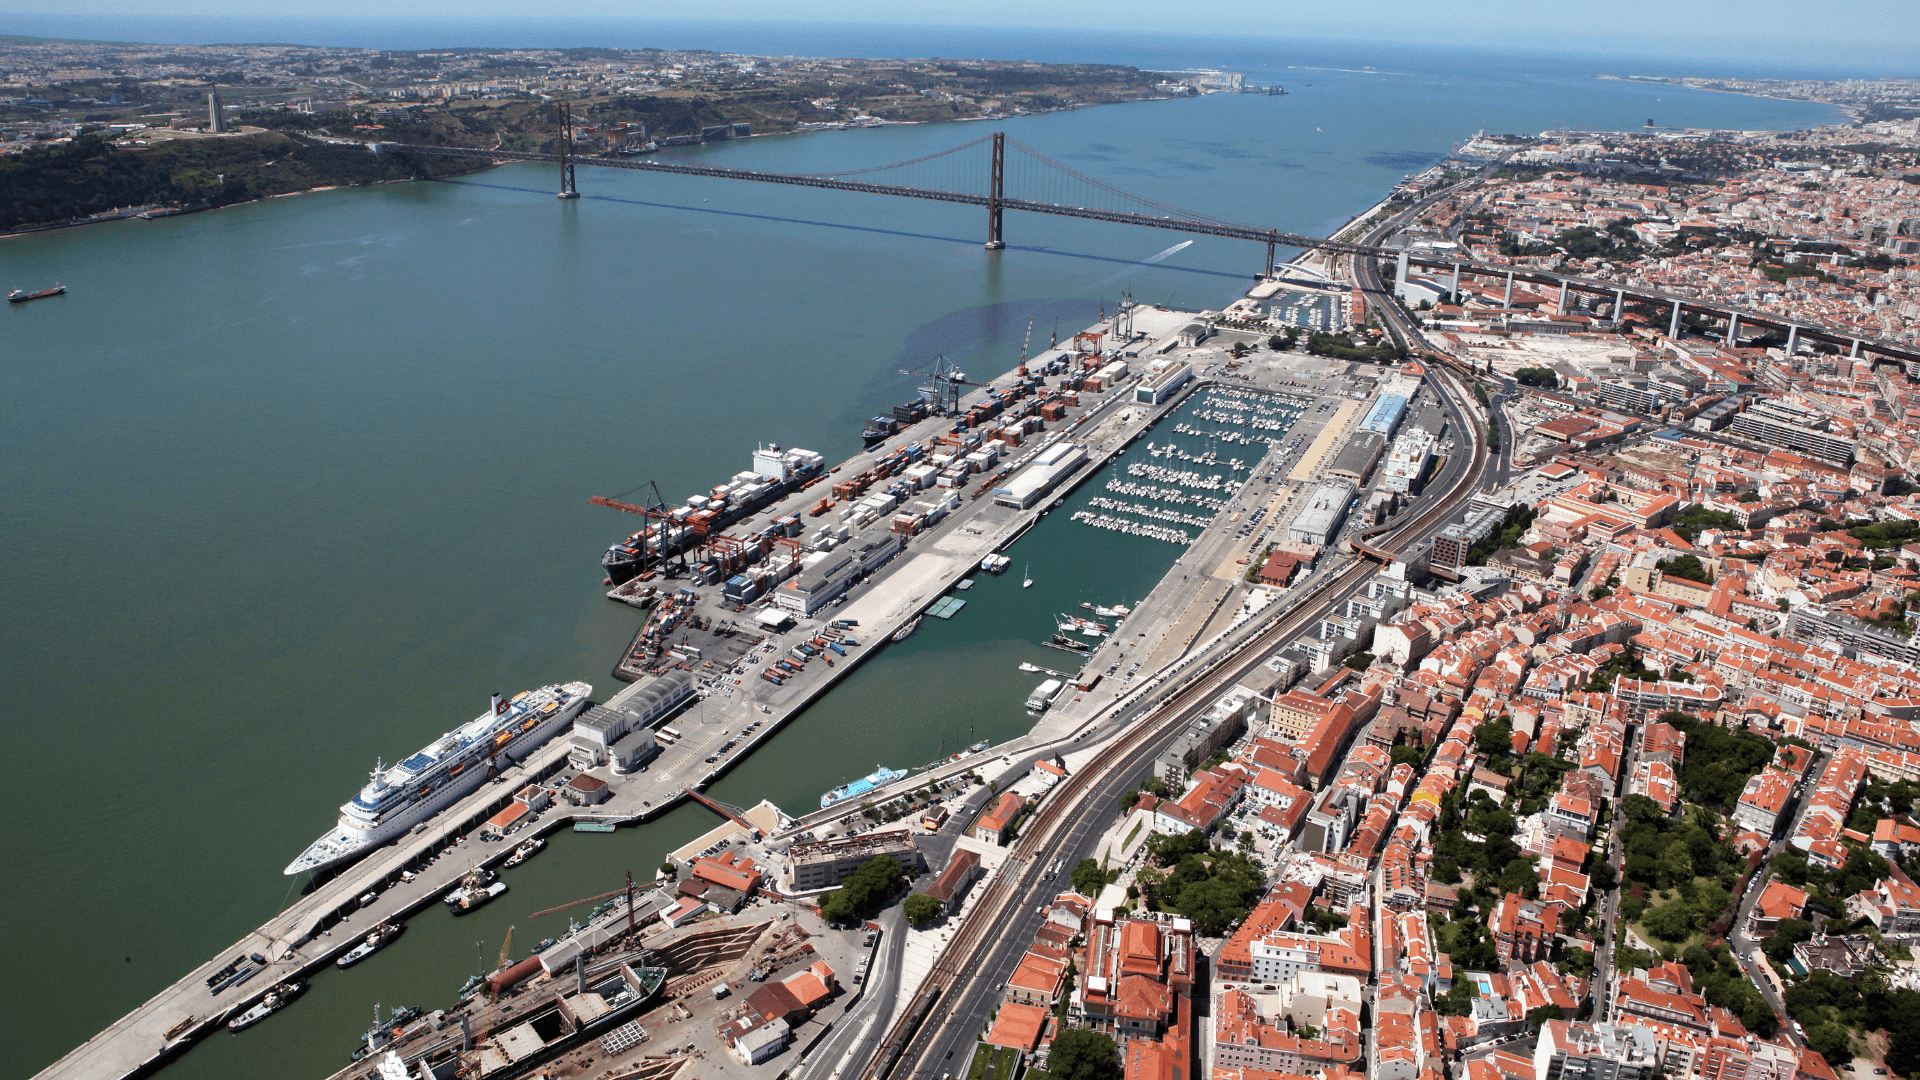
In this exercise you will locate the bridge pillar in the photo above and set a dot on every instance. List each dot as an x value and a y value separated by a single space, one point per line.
1619 304
996 190
1267 270
1673 324
568 188
1793 339
1453 291
1733 329
1508 302
1400 273
1560 307
1856 349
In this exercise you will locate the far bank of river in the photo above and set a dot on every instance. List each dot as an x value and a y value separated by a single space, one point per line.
302 482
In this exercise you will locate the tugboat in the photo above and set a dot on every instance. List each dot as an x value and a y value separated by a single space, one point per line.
475 891
21 296
524 852
472 986
376 940
275 1000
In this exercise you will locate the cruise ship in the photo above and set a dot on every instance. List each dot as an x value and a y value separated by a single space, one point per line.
775 472
400 796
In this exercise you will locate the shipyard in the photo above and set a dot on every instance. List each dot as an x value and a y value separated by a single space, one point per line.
755 599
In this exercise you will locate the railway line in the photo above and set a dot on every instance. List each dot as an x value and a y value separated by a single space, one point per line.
1072 813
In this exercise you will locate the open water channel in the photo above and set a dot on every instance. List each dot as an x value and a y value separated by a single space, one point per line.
295 485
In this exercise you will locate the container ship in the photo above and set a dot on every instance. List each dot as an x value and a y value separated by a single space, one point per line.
775 473
400 796
882 775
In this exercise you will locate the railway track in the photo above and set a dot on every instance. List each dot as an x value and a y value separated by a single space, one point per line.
1066 812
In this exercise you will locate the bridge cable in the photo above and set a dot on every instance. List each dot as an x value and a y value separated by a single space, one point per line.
1172 211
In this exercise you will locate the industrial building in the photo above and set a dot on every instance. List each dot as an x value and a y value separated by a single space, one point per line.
1407 461
1159 385
1385 415
603 735
825 575
1776 423
1356 460
1054 464
1323 514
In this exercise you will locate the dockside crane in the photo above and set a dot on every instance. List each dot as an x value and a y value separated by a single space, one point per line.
944 380
657 510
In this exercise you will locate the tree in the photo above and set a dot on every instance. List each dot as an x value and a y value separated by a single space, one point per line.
1539 1014
1083 1054
1088 878
922 910
1494 737
865 891
1670 921
1786 934
1602 877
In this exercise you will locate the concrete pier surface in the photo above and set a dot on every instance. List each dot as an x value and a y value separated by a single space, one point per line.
1191 615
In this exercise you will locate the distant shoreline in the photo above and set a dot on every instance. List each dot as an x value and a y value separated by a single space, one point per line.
1850 111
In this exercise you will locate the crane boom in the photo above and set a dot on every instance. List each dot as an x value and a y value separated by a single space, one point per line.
599 500
577 903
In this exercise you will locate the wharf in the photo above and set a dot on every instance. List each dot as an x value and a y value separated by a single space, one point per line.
329 920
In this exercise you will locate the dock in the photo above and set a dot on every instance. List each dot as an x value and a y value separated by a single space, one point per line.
415 871
736 709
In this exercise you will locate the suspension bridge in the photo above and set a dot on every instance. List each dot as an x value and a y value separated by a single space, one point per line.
1015 176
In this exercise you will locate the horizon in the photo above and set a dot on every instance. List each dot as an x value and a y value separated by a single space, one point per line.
1800 58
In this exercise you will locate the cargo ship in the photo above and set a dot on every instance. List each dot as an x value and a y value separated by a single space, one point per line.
882 775
398 797
21 296
775 473
881 428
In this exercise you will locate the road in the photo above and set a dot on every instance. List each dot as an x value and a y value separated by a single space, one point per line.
965 986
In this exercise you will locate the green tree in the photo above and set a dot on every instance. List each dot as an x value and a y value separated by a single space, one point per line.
921 910
1088 878
1670 921
864 892
1083 1054
1786 934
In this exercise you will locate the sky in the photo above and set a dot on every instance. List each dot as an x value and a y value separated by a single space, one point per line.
1881 35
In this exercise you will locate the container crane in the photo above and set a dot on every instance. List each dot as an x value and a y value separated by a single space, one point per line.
944 380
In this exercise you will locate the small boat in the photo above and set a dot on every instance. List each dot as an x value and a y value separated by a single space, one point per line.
906 631
995 564
275 1000
473 900
524 852
376 940
1028 582
474 892
21 296
1067 644
1024 666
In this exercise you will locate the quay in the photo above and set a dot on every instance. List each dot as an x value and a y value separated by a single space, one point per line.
733 710
411 873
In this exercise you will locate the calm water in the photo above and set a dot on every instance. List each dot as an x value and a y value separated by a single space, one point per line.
291 485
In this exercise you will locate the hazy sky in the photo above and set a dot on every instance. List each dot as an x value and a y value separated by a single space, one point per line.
1878 31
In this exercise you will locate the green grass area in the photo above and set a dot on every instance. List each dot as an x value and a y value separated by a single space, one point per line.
993 1063
1131 833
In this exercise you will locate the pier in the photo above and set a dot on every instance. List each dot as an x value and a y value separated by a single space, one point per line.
414 872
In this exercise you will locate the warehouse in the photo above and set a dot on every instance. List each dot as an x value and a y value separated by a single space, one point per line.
1054 464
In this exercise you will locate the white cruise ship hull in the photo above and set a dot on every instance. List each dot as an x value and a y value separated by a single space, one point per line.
349 840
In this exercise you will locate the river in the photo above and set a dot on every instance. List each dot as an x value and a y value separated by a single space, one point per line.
292 486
